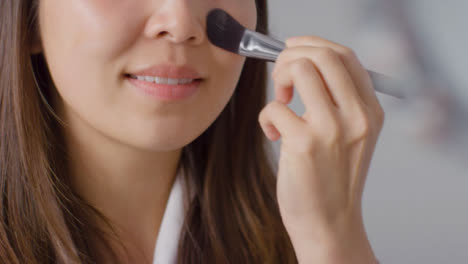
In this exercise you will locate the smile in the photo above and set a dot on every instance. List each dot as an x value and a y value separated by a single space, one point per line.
162 80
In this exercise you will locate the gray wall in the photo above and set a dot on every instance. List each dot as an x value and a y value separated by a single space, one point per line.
416 196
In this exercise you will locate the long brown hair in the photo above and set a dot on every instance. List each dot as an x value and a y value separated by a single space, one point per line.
233 218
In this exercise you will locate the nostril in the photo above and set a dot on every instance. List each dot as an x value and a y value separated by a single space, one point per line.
162 34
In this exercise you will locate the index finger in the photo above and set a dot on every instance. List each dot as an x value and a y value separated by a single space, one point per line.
361 77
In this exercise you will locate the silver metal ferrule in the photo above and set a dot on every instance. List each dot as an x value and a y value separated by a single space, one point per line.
257 45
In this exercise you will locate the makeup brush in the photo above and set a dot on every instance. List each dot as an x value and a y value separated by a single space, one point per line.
227 33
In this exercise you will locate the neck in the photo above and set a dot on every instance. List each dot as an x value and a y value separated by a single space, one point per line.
129 186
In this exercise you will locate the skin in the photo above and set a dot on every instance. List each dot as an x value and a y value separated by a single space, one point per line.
124 148
325 153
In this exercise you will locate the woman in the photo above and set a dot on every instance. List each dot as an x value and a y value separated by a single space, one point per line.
94 140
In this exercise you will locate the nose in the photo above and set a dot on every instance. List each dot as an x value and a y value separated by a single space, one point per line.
177 21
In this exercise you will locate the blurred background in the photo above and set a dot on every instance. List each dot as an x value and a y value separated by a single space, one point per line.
416 196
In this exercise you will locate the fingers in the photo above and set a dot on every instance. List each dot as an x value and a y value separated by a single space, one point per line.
336 91
299 136
276 120
302 73
361 77
362 80
336 79
332 83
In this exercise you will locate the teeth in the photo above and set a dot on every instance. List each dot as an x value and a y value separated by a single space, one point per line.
161 80
149 79
172 81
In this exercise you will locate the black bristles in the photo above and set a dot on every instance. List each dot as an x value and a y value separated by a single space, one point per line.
223 30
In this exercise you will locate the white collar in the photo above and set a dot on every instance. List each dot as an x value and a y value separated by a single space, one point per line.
168 237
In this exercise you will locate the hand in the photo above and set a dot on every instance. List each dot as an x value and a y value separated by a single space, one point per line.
325 153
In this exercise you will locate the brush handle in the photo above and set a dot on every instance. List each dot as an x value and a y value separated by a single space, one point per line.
260 46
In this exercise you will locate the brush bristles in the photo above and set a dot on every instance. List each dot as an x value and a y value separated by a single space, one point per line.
223 30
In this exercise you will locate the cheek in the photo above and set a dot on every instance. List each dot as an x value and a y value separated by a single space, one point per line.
81 41
227 77
99 25
87 32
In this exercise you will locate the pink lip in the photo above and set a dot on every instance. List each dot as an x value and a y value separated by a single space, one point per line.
170 71
166 92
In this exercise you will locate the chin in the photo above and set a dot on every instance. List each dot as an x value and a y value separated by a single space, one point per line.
161 143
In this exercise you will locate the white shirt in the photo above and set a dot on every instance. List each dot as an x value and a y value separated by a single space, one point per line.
165 251
167 241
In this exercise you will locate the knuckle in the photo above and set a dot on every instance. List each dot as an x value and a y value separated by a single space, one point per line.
363 126
280 61
302 65
329 131
272 104
380 115
295 39
277 70
272 107
262 117
316 137
326 54
332 134
290 40
284 56
348 52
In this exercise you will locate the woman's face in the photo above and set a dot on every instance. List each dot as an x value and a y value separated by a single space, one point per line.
91 45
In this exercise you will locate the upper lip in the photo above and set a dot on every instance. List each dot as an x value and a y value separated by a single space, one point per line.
170 71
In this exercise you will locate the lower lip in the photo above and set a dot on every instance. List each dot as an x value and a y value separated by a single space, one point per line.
166 92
